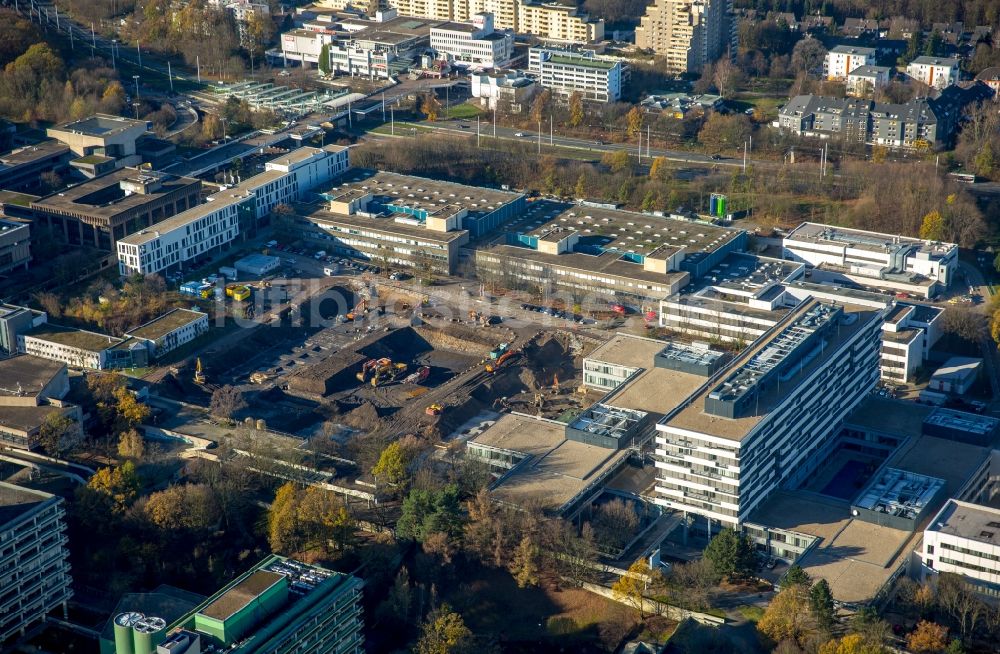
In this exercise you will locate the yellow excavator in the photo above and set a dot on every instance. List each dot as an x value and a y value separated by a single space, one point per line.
388 373
199 374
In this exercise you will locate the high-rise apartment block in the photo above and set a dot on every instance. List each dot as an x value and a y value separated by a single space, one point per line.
689 33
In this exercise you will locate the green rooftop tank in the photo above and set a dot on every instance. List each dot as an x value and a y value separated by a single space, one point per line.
123 631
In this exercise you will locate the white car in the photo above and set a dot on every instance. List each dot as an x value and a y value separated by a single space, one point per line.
520 134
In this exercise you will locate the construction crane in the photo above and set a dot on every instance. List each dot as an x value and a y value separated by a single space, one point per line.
199 375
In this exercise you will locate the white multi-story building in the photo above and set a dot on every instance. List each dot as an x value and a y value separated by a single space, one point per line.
305 46
885 261
564 72
938 72
964 538
553 21
474 45
511 90
864 81
769 416
34 561
615 361
843 59
74 347
215 224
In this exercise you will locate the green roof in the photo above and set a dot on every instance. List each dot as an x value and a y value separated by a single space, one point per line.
580 61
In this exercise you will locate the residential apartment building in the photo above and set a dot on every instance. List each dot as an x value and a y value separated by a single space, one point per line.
885 261
937 72
565 72
404 221
474 45
34 561
433 9
921 123
767 417
511 90
279 606
100 211
964 539
15 245
552 21
865 81
218 222
842 60
688 33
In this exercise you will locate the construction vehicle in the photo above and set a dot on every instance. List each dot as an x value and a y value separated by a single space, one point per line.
258 377
434 410
369 367
493 366
420 375
239 292
361 308
199 374
388 374
498 351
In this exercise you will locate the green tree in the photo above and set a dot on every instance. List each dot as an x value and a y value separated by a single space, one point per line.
425 512
283 529
184 507
393 464
324 521
120 484
731 554
616 160
821 602
795 575
631 586
933 227
852 644
648 200
324 60
444 632
985 162
575 109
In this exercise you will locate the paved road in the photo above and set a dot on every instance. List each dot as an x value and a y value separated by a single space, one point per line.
991 356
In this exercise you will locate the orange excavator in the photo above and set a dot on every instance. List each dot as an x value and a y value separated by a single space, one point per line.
371 366
492 366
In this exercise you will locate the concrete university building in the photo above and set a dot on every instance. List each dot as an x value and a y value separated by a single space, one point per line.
765 419
34 561
279 606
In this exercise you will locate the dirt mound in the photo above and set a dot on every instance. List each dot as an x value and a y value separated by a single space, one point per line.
364 416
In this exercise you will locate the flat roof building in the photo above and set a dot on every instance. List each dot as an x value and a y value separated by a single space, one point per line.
770 415
964 539
171 330
21 169
956 376
103 135
31 390
565 72
276 607
34 561
402 220
474 45
101 211
15 245
77 348
894 263
593 252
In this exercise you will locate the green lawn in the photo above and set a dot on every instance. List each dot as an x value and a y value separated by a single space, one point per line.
464 111
751 613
